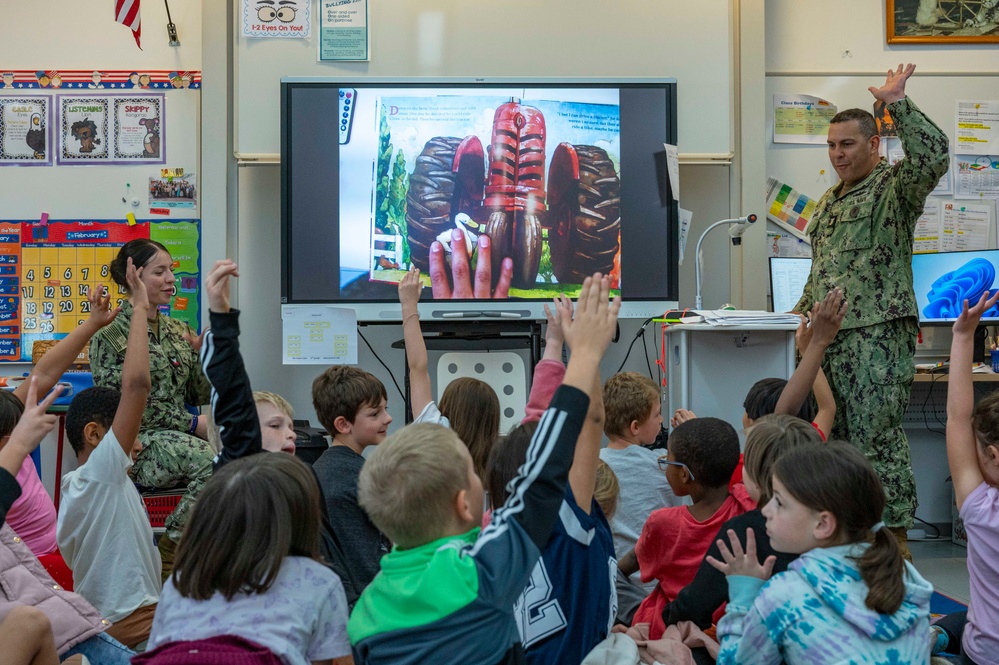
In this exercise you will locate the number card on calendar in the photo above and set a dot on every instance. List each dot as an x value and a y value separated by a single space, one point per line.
47 270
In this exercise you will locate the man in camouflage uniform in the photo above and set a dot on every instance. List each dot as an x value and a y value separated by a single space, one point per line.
861 237
173 448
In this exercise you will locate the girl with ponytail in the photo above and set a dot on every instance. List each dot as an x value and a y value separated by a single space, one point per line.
849 597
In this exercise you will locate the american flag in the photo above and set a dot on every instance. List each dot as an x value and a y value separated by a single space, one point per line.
126 12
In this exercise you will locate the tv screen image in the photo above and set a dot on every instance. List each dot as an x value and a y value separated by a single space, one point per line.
943 282
565 180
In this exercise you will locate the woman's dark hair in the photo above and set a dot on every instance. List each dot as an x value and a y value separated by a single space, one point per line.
505 459
761 400
11 410
837 478
251 515
140 250
474 411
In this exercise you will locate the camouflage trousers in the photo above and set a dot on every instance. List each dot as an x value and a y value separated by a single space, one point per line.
171 458
870 370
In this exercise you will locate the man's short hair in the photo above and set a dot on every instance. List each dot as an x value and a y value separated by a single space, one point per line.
343 391
93 405
865 120
628 396
280 403
409 483
710 449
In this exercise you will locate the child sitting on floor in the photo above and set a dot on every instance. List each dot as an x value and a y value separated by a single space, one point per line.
702 456
446 592
248 567
468 406
104 532
849 597
973 455
767 440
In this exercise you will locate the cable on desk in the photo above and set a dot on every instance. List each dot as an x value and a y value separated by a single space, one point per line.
401 393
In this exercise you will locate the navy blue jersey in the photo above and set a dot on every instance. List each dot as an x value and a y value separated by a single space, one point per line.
570 603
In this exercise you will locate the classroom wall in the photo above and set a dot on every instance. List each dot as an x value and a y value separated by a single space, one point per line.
82 36
693 42
836 50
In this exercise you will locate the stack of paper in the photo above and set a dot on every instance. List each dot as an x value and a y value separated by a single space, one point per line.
740 317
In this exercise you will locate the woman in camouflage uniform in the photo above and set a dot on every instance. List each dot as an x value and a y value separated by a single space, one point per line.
174 449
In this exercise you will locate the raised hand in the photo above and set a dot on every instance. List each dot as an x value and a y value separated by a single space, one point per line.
681 416
827 317
968 321
739 562
35 423
194 340
894 87
409 289
592 327
136 287
461 271
553 331
217 285
101 313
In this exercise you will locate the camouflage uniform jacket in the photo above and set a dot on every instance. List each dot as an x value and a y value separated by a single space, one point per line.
862 241
173 367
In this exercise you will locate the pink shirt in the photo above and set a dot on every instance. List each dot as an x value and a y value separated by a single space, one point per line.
33 516
980 513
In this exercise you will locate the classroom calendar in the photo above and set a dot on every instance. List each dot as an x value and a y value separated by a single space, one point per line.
46 271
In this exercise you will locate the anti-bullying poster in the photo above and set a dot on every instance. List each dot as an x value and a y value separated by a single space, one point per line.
111 129
26 131
281 19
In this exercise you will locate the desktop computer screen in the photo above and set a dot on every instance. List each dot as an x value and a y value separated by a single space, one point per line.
787 281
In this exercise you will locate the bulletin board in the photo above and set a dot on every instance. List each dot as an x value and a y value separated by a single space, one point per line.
47 269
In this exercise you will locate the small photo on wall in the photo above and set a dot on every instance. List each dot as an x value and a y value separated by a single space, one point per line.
138 123
180 192
26 131
83 130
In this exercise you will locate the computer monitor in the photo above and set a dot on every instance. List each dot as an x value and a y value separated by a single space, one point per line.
944 280
787 280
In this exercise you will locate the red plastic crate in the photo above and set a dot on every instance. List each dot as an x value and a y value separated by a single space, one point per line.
159 507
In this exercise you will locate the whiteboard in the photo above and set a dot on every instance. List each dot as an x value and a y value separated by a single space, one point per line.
689 41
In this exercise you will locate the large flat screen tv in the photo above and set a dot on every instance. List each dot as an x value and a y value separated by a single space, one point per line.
943 281
565 178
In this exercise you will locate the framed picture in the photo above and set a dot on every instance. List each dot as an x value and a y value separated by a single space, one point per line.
942 21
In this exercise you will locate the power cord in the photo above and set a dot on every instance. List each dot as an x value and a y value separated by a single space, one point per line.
640 333
401 393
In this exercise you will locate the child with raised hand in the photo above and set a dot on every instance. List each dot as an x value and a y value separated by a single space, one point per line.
74 626
849 597
468 406
104 532
701 457
569 605
769 439
446 592
250 421
973 455
248 567
33 515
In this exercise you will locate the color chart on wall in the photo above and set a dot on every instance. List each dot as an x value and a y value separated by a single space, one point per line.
46 270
